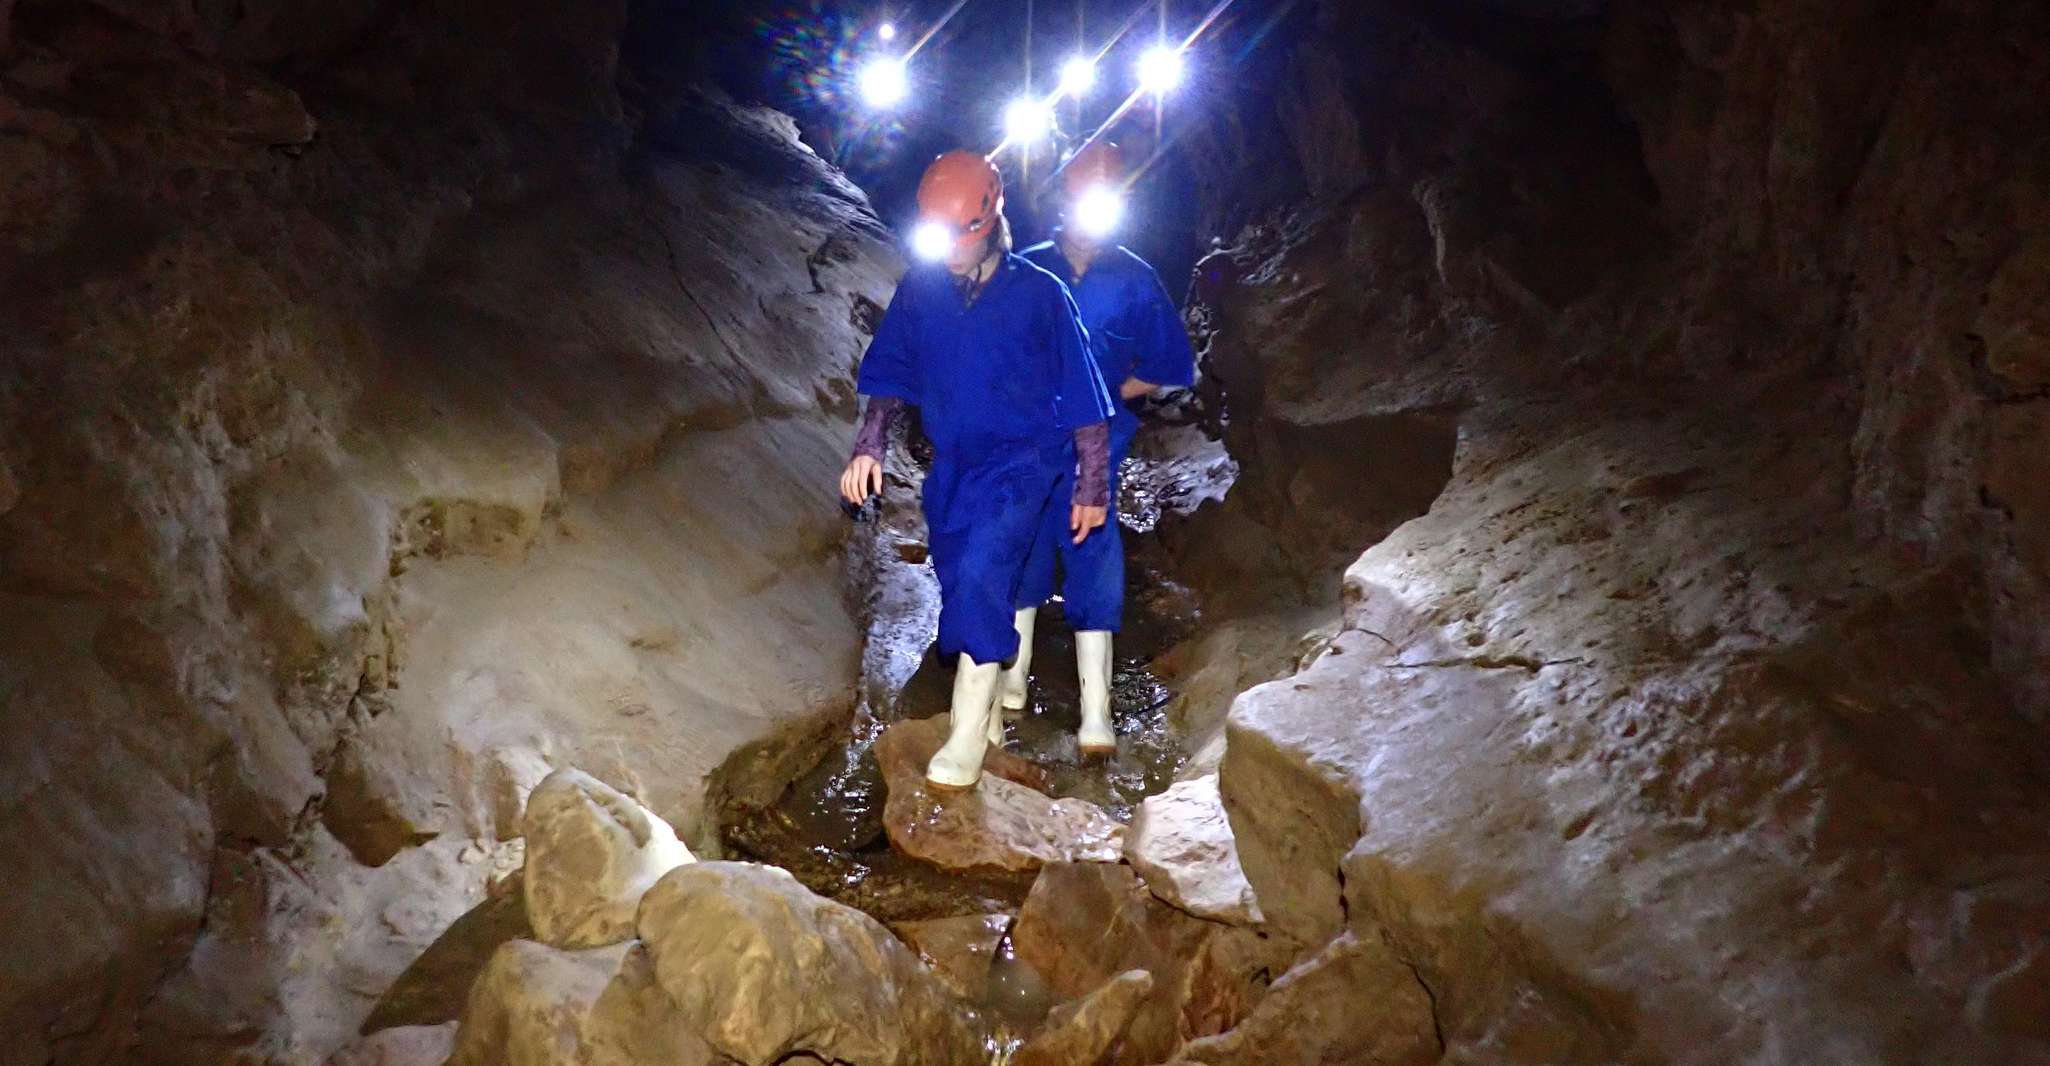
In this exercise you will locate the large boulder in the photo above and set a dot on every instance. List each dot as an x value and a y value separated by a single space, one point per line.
592 852
765 969
1181 843
536 1005
1086 923
1002 827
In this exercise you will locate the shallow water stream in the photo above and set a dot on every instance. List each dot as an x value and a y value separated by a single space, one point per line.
827 827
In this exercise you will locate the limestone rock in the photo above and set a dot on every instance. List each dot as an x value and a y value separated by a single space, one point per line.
765 969
532 1003
592 852
411 1045
381 528
1085 923
1087 1031
1002 827
540 1006
959 949
435 986
1353 1002
1181 843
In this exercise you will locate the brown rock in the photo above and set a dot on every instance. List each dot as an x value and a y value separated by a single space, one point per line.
540 1006
592 853
1087 1032
958 949
1181 843
765 969
1085 923
905 747
1353 1002
2012 321
1002 827
222 440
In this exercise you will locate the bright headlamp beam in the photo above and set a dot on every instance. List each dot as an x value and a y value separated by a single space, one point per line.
931 241
1027 121
1078 76
1161 69
1098 211
884 82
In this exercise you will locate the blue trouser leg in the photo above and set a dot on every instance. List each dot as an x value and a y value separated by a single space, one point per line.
1092 573
982 518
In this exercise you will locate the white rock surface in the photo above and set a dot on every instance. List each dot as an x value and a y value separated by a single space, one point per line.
592 853
1181 844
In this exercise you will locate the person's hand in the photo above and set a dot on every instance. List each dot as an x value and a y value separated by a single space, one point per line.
1084 519
862 478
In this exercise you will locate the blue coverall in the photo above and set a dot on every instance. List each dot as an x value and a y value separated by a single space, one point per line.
1001 385
1134 331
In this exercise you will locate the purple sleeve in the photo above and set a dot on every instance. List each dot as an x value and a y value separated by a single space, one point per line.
1092 456
873 438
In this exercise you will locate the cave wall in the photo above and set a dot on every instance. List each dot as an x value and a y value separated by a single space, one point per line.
1702 717
397 402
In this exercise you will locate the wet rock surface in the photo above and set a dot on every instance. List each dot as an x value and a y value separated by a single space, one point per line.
1086 923
1087 1032
1181 845
960 950
1353 1002
999 827
1669 731
764 969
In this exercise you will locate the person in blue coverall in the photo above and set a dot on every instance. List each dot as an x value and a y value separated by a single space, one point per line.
1140 345
992 352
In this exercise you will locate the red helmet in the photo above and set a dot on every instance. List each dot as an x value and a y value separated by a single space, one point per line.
1098 163
962 191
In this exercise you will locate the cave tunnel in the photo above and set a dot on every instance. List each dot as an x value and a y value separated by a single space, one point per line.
1588 606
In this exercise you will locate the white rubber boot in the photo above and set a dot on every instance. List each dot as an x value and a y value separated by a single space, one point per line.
957 766
1020 673
1092 662
995 718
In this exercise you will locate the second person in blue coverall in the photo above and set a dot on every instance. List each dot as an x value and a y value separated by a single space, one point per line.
1140 345
991 350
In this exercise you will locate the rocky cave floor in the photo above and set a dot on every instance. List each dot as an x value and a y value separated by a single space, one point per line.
1622 639
1065 915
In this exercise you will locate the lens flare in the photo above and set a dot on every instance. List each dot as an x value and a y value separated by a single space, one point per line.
885 82
1098 211
887 31
931 241
1161 69
1027 121
1078 76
